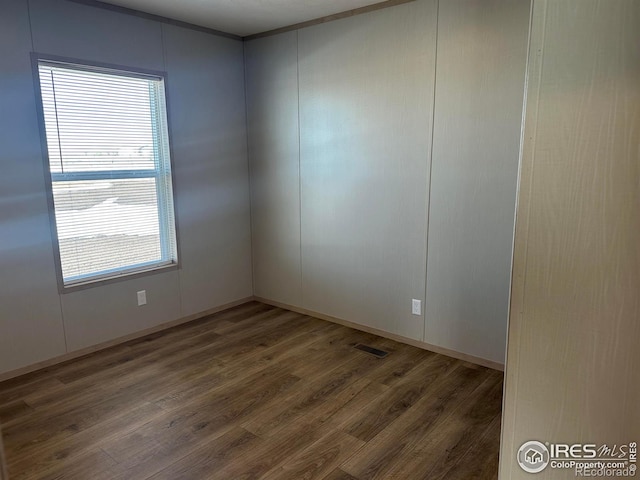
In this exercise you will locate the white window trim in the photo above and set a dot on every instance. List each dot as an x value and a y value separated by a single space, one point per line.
121 274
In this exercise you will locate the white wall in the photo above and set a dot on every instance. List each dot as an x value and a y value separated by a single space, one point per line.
573 359
370 189
207 115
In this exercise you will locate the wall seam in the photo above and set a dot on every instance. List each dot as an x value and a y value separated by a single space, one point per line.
430 160
302 302
521 294
33 48
164 48
249 177
180 291
49 212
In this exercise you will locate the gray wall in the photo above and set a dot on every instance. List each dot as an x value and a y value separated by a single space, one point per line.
340 138
482 53
206 102
573 359
368 190
30 319
366 94
274 147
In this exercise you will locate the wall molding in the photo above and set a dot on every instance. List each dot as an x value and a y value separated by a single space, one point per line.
190 318
212 31
328 18
392 336
120 340
154 17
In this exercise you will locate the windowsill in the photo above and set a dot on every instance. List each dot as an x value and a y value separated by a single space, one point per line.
152 270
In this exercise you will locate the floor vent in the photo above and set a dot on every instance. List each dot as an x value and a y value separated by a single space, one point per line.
373 351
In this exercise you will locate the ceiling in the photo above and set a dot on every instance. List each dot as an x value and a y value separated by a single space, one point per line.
243 17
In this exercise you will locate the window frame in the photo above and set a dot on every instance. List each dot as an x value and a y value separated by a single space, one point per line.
116 275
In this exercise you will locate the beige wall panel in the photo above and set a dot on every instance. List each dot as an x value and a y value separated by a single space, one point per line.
482 48
30 320
573 358
272 109
366 93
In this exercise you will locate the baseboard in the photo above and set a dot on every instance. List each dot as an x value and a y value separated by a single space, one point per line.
392 336
164 326
117 341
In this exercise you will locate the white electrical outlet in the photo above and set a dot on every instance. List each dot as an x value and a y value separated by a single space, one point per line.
416 307
142 297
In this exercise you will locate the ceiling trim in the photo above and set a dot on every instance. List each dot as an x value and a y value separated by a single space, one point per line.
157 18
329 18
211 31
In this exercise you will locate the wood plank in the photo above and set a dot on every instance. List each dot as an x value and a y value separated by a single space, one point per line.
389 406
314 393
437 454
32 460
13 411
405 434
212 456
346 404
393 372
236 370
462 433
481 462
269 454
83 467
159 443
338 474
318 459
13 390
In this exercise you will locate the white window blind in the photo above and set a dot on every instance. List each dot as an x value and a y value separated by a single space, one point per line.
108 148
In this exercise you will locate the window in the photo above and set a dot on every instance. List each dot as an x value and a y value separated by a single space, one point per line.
108 154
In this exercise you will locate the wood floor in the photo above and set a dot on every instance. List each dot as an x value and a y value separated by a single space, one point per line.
255 392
